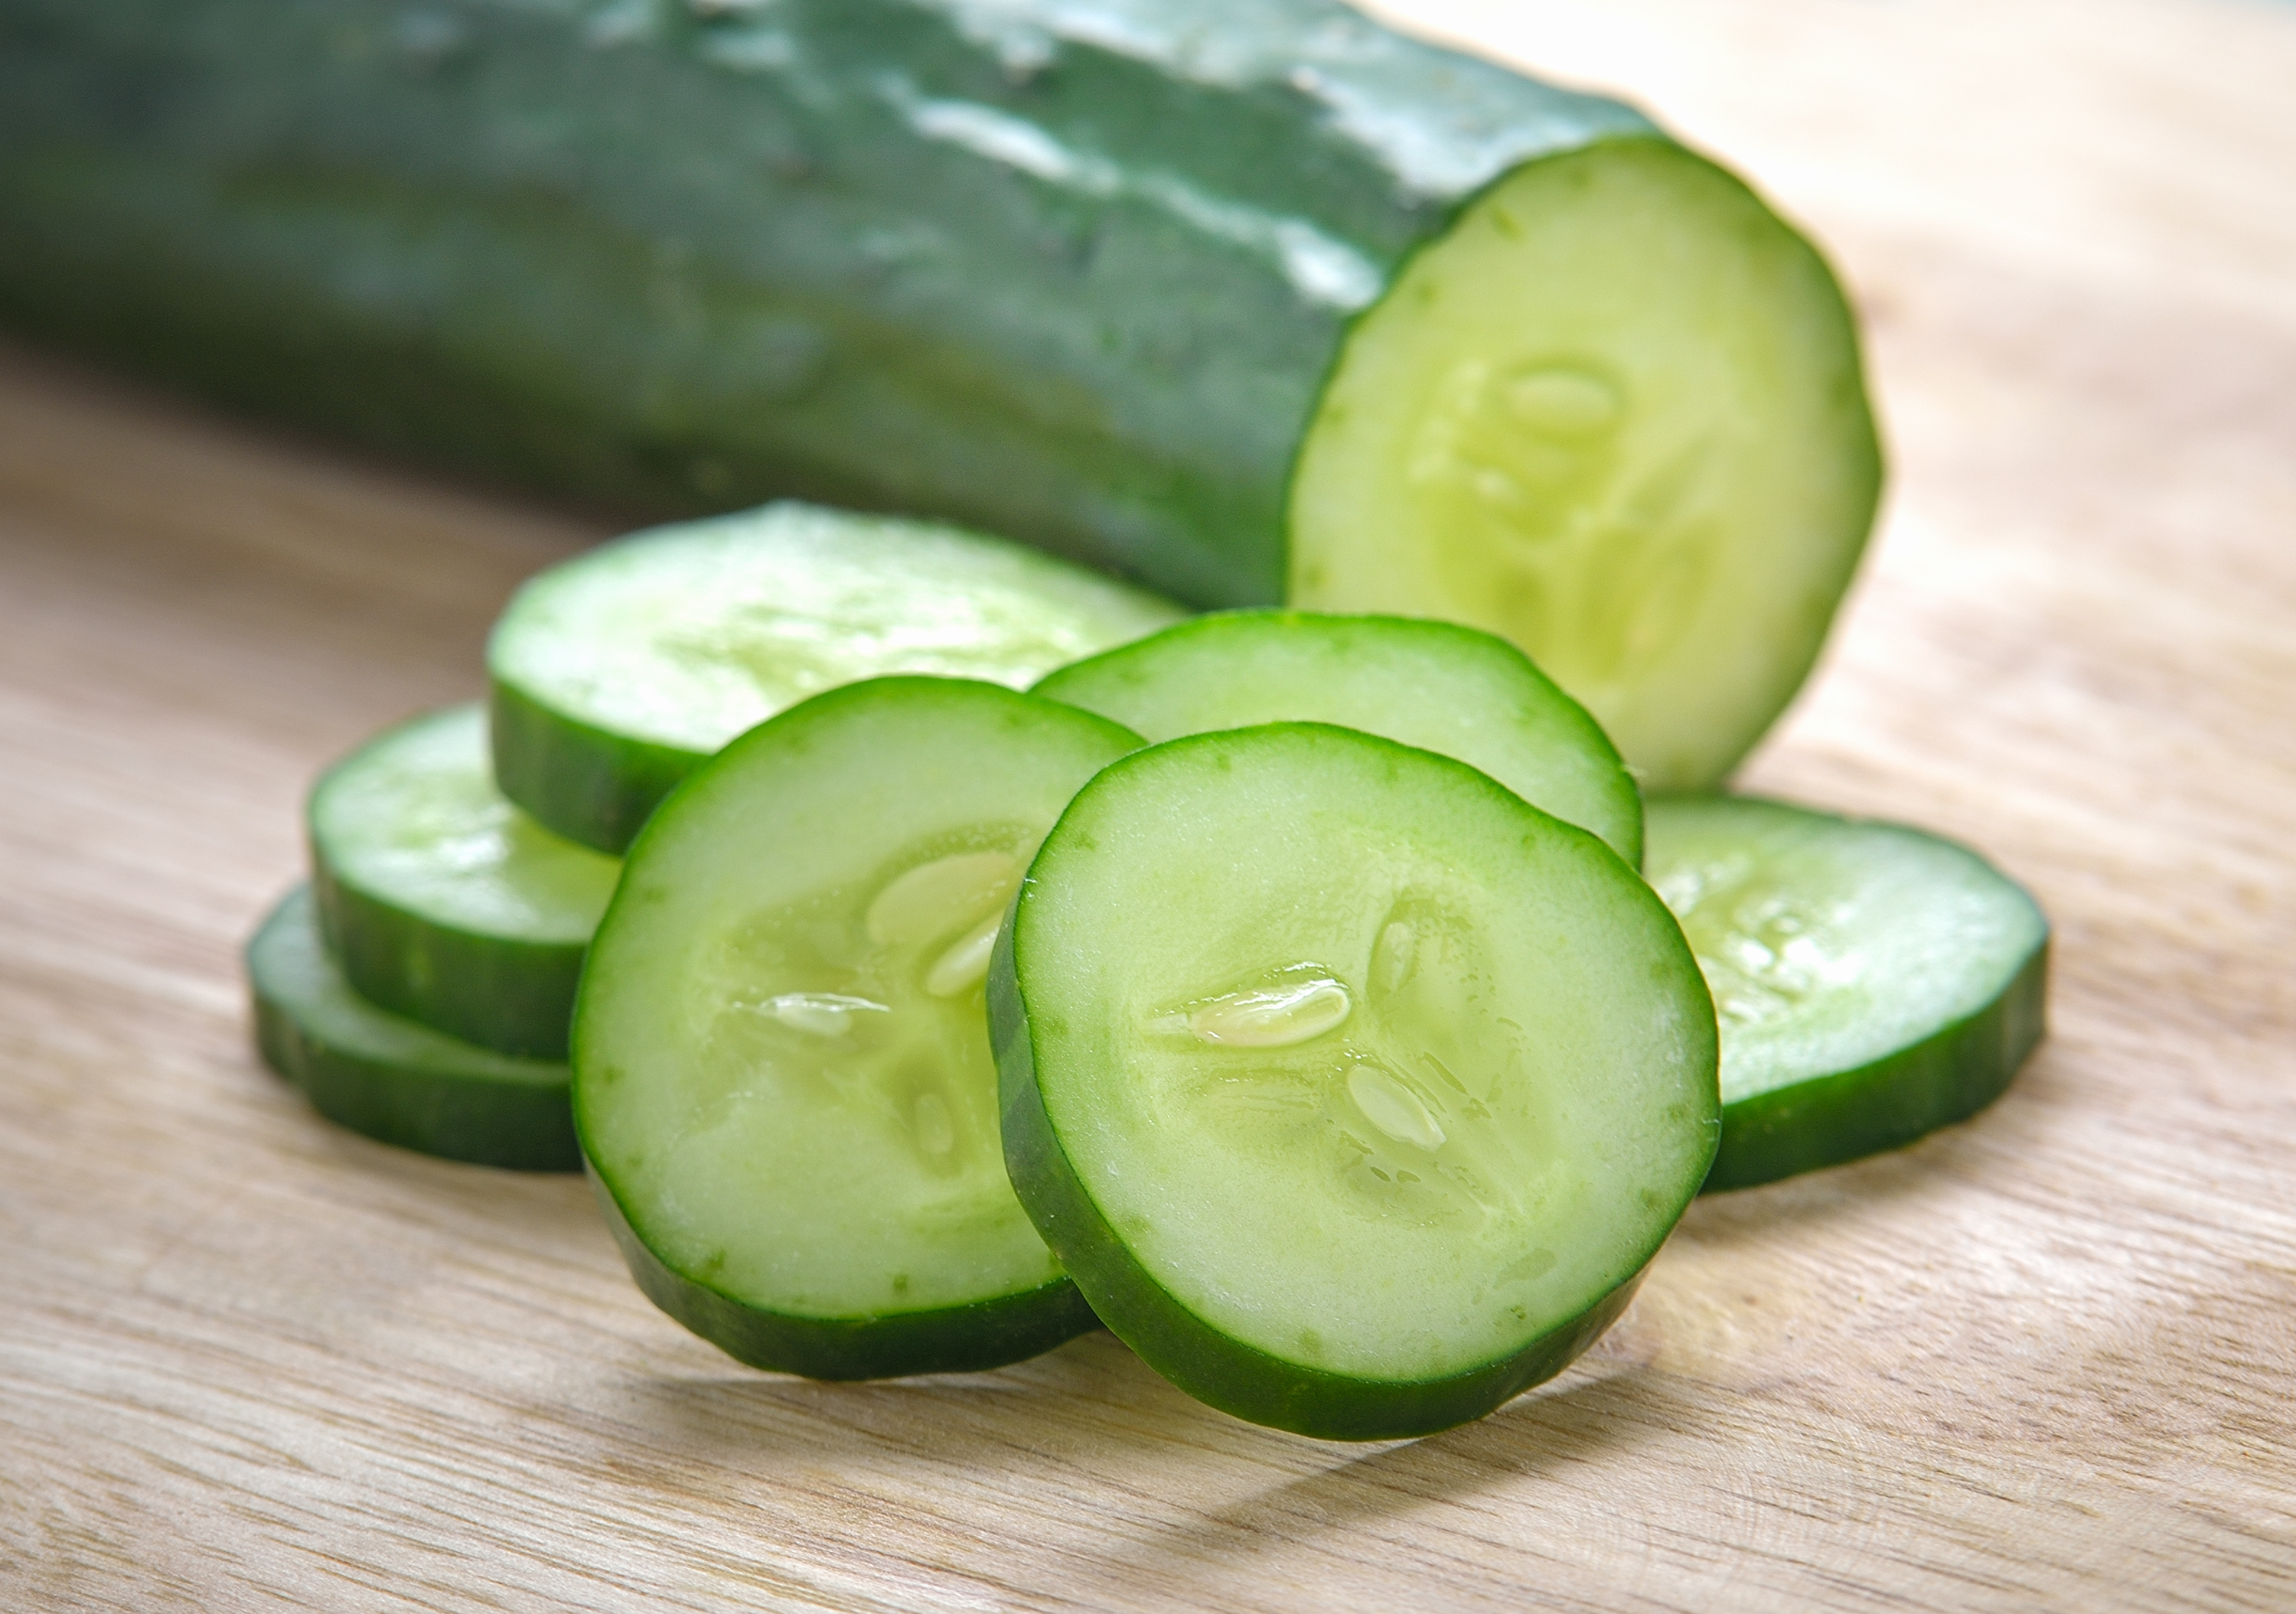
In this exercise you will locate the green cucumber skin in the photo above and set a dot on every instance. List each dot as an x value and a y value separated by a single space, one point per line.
517 1126
590 785
515 997
954 1340
1945 1078
1209 1366
905 254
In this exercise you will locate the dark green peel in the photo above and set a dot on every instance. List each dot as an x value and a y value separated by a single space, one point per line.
390 1078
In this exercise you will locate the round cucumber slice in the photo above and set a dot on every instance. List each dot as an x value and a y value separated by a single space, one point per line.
444 903
388 1077
1353 1091
1441 687
1873 982
1619 404
782 1070
616 673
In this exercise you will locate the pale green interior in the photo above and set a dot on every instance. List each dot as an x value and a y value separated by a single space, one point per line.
781 1049
1425 683
687 635
414 820
1614 415
1830 943
1370 1067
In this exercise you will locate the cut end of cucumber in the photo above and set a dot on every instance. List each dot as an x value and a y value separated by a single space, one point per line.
1616 416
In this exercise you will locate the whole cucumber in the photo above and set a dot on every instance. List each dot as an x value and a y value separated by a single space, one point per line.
1158 284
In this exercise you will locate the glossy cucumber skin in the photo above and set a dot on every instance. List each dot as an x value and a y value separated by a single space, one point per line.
1217 1370
952 1340
515 997
598 787
443 1108
905 254
1946 1077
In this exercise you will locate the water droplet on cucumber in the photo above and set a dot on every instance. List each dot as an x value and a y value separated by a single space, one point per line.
1280 1016
818 1013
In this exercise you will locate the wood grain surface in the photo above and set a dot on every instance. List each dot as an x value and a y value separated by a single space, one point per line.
2046 1359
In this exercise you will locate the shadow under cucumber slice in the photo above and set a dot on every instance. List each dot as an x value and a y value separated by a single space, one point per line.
444 903
1354 1092
619 672
1873 982
388 1077
782 1079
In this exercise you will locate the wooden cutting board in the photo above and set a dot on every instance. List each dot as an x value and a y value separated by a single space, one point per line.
248 1361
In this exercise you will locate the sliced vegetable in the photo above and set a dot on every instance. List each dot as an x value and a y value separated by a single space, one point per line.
1616 408
618 672
1433 684
1235 296
781 1069
1873 982
1354 1093
444 903
388 1077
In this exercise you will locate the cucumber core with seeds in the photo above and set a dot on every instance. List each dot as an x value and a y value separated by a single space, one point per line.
1618 406
783 1076
1354 1093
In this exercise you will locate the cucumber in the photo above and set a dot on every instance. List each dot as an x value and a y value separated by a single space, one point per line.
1873 982
1443 688
1254 299
442 902
782 1071
388 1077
1354 1093
618 672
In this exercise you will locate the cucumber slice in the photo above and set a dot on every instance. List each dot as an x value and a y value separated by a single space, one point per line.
782 1069
617 673
1353 1091
444 903
1619 405
1873 982
388 1077
1436 685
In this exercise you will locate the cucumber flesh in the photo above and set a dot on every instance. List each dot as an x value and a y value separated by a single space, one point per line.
616 673
1619 404
388 1077
1873 982
444 903
783 1076
1353 1091
1436 685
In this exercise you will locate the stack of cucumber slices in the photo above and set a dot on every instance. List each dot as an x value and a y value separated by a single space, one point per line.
421 986
962 951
